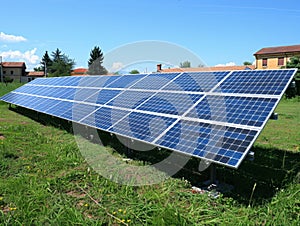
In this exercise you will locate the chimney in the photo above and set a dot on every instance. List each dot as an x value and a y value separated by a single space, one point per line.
158 67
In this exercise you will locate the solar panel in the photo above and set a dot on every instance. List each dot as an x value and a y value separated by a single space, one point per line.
215 116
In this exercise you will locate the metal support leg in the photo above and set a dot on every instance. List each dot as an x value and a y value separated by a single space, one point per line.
213 174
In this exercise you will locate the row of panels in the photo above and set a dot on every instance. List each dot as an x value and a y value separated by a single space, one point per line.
193 138
191 120
248 111
246 82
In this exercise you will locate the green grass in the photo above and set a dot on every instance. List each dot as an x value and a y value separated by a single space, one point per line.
45 180
283 133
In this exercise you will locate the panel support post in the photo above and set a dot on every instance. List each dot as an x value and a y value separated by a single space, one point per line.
213 174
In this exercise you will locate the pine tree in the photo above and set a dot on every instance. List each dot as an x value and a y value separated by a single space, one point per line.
95 62
46 60
61 64
57 55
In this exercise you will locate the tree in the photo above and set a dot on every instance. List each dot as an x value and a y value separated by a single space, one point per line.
46 61
134 71
39 68
247 63
61 64
95 62
294 62
57 55
185 64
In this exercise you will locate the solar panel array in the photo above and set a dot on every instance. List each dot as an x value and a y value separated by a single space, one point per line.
215 116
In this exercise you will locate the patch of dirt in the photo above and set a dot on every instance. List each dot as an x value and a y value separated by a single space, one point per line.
76 194
5 120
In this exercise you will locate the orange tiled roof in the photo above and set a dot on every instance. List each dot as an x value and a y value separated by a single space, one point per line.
13 64
36 73
216 68
278 49
79 71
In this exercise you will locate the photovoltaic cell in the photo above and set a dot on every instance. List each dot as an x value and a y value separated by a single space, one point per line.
97 81
215 116
170 103
257 82
251 111
196 81
218 143
60 109
155 81
104 117
151 127
129 99
125 81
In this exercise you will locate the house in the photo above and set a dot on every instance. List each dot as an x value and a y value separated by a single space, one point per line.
31 75
216 68
14 70
275 57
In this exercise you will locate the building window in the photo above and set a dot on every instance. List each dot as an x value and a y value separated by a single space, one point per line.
265 62
4 72
280 61
11 72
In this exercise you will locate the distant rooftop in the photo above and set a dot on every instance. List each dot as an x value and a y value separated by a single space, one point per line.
79 71
216 68
278 49
36 74
13 64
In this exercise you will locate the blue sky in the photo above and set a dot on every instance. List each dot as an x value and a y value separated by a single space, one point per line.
219 32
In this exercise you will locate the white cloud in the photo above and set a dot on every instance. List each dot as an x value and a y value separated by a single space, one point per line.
227 64
11 38
29 57
116 66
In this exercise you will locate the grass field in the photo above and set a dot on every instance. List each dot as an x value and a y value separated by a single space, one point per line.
44 180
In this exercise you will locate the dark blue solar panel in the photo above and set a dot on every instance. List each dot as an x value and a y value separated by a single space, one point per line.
196 81
270 82
148 130
225 145
35 90
42 81
54 92
31 102
155 81
102 96
60 109
249 111
104 118
84 93
179 111
130 99
62 93
57 81
11 98
99 81
93 81
105 96
46 104
126 81
170 103
80 111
